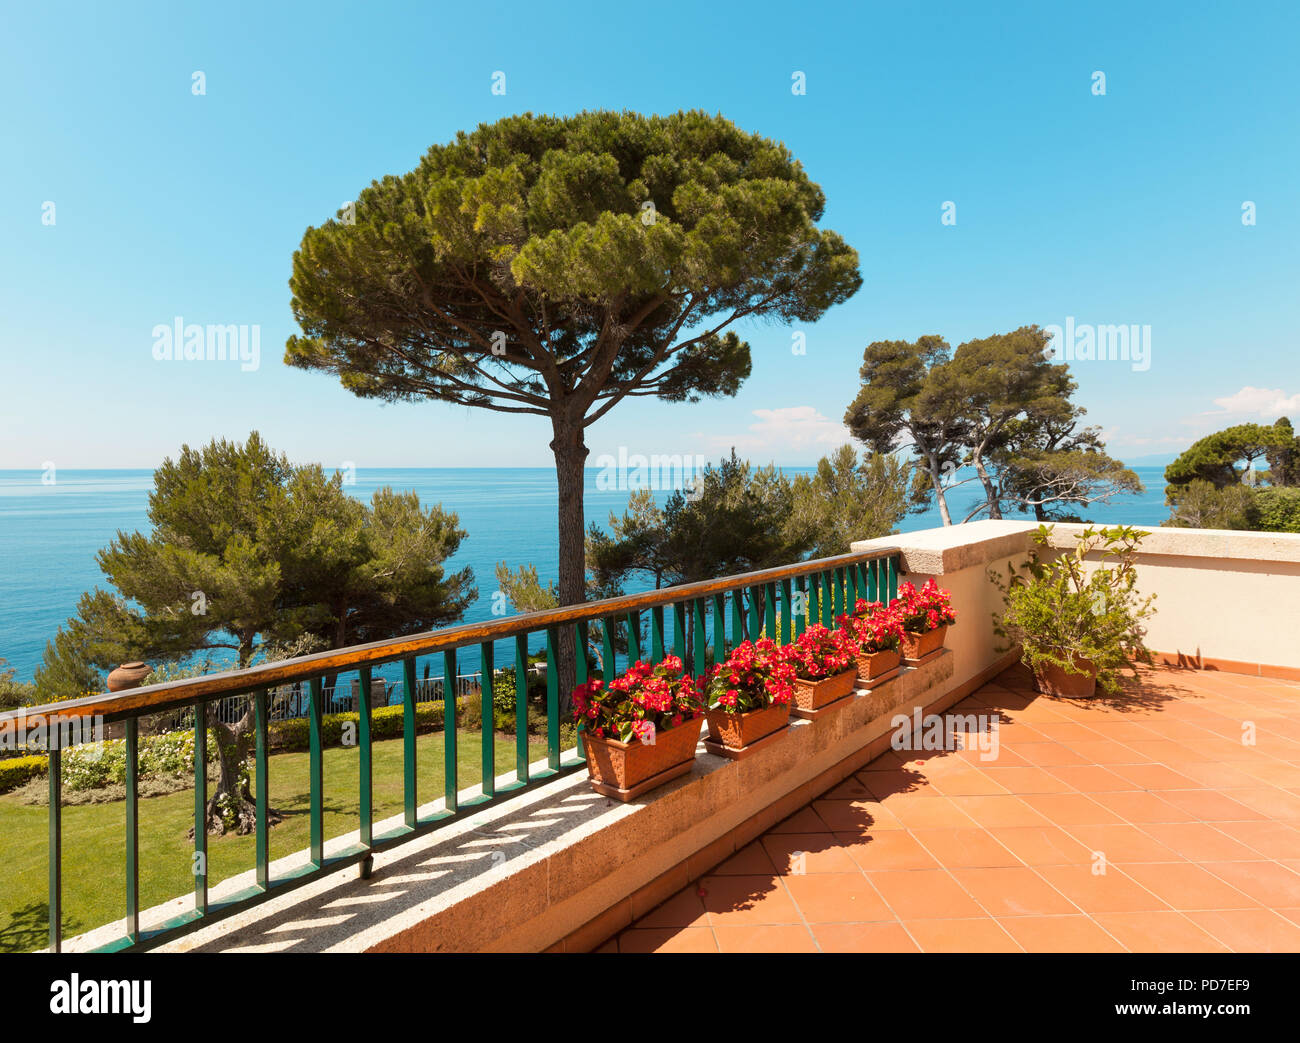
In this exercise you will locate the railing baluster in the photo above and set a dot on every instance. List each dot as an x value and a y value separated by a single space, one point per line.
487 686
679 631
756 596
553 697
769 611
263 850
657 634
633 637
582 669
56 839
201 807
787 612
801 618
366 765
700 638
828 598
450 779
719 627
521 707
409 774
132 830
738 634
608 629
316 773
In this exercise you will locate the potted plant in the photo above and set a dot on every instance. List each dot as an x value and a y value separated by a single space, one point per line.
748 696
825 667
926 615
1076 626
877 634
641 730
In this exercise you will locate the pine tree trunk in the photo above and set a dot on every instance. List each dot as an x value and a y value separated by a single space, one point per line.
939 494
570 460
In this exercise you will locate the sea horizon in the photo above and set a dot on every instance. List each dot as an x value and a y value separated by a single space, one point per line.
50 533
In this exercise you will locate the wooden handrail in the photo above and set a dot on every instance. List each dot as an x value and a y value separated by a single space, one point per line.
171 694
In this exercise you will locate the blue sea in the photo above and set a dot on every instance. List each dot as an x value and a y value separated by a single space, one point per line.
50 533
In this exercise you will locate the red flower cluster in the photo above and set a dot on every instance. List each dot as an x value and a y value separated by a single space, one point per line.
874 627
755 675
820 652
644 700
924 610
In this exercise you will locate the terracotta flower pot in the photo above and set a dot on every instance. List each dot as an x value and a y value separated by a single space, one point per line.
1051 679
813 695
738 730
628 769
918 646
872 666
128 675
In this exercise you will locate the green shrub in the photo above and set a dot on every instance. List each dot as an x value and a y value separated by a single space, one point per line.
386 722
16 770
96 764
1059 612
1277 510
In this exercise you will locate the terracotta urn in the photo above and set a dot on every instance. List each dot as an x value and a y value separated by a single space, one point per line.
128 675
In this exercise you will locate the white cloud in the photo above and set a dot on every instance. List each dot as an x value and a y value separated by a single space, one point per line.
778 432
1252 401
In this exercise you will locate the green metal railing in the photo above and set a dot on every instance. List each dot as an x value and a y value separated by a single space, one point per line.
691 618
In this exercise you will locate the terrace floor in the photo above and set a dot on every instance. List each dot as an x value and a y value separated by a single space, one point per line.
1136 823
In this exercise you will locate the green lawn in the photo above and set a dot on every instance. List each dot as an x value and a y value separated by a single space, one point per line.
94 850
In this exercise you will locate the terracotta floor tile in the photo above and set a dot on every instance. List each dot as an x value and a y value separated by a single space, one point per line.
1275 772
887 849
1074 933
801 853
1217 775
996 811
1270 839
853 816
1269 883
837 898
1068 733
922 894
1042 845
1154 777
746 901
1070 809
863 937
765 938
970 782
964 935
1158 931
1013 892
805 820
974 848
1209 806
882 784
1139 806
1186 886
1102 751
1123 843
1271 802
852 788
684 909
1027 780
1200 841
930 813
667 939
1250 930
1089 778
1111 892
1048 754
749 860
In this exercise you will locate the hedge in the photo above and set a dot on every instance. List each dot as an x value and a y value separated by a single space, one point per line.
385 723
14 771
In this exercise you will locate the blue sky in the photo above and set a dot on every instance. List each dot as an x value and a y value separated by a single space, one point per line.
1116 209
